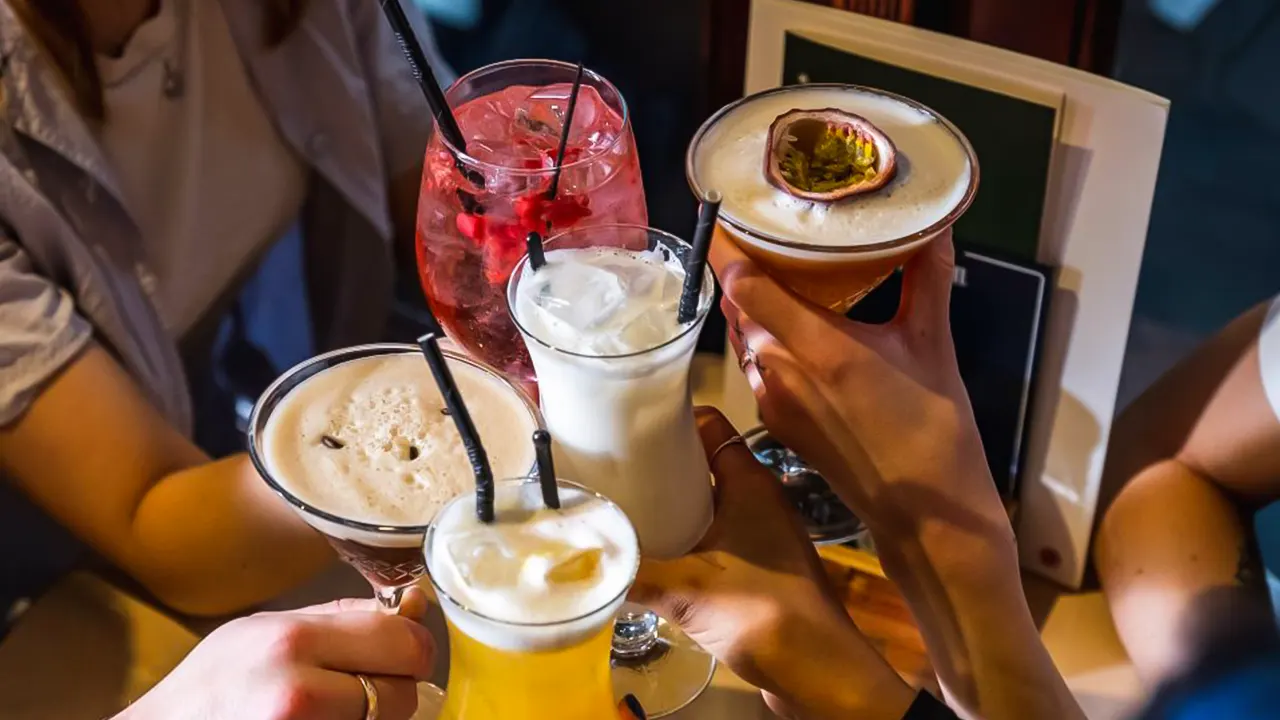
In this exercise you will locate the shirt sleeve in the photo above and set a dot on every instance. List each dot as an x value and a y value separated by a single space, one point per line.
404 120
40 331
1269 355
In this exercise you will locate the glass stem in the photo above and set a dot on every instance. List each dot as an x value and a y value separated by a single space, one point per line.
635 632
390 597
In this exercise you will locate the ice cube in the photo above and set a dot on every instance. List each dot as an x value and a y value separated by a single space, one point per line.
487 120
483 562
576 298
539 119
580 566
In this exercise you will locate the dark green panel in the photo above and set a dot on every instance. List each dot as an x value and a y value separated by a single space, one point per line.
1013 139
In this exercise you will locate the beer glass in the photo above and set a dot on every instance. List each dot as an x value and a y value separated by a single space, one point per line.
389 556
554 669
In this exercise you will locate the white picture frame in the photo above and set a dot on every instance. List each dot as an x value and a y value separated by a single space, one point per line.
1102 180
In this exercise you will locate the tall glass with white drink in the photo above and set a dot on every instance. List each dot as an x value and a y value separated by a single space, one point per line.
828 187
613 362
613 375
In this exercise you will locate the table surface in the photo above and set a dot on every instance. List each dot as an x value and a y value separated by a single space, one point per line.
86 649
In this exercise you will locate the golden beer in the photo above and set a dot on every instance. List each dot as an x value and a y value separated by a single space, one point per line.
487 683
833 251
530 601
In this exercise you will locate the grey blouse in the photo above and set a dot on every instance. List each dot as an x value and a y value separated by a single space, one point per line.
342 97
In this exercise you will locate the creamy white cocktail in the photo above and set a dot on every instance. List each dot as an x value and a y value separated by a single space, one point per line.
613 375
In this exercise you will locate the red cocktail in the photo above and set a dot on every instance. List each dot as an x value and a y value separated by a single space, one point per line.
477 207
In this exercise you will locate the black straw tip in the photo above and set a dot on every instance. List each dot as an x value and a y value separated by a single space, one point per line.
533 245
430 346
564 132
546 469
695 266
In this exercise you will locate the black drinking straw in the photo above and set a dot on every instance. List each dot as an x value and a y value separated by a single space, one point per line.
533 245
546 469
445 120
564 134
466 426
696 266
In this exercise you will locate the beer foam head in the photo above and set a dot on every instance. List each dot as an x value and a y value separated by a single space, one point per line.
933 178
602 301
534 578
369 440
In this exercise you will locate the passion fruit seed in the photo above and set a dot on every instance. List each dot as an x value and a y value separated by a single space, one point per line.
828 155
840 158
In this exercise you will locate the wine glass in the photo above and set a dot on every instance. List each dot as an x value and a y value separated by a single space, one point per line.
475 208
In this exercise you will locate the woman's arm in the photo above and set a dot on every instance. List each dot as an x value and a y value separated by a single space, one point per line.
881 411
1199 450
205 537
755 595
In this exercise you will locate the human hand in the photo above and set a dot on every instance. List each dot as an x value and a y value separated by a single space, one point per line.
754 594
300 665
879 410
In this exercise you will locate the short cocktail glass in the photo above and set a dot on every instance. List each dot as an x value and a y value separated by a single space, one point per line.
508 659
826 518
833 255
475 209
623 425
388 555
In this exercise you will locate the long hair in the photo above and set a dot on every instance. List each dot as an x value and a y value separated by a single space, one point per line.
58 27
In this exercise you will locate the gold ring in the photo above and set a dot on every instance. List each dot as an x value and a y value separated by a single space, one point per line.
370 697
735 440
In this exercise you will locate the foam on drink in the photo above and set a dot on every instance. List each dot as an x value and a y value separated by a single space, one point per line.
369 439
934 171
549 578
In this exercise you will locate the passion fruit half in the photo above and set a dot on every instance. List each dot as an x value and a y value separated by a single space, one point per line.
828 155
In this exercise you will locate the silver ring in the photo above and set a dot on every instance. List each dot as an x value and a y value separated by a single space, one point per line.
735 440
370 697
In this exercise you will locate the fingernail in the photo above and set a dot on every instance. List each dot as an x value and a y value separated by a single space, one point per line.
634 706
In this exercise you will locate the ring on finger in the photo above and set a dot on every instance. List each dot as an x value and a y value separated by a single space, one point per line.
370 697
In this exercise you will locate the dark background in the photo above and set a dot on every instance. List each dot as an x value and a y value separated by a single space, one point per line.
1213 248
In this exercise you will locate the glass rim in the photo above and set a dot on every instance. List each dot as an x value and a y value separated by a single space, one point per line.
726 217
596 77
703 311
274 390
522 481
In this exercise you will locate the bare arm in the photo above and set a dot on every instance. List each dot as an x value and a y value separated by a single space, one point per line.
881 411
1201 449
205 537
